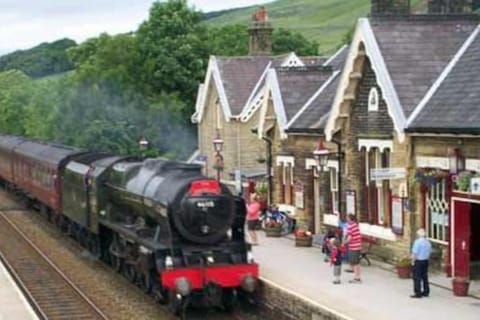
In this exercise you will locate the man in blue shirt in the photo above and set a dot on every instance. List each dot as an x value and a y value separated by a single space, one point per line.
421 251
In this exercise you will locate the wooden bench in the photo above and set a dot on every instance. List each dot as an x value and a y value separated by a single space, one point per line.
367 243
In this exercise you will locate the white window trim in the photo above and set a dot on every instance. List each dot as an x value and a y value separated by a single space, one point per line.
373 107
312 163
377 231
333 180
381 144
285 160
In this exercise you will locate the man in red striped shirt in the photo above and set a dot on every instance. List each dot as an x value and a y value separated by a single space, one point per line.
354 241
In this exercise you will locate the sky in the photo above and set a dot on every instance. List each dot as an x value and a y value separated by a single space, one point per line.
26 23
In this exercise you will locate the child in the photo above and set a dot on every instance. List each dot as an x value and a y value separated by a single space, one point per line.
326 243
336 259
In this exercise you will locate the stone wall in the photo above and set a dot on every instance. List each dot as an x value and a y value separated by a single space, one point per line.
280 304
364 124
241 147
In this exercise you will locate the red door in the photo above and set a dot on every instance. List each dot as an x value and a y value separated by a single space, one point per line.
461 248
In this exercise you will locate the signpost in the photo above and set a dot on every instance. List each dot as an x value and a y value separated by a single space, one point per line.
387 173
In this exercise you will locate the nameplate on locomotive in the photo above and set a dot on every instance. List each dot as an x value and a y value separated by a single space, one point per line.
205 204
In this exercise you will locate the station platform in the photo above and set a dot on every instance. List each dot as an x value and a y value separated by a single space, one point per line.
381 295
13 304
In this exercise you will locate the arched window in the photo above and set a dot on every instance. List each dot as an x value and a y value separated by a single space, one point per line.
373 100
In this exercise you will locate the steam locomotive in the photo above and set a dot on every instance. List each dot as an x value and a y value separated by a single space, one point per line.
162 224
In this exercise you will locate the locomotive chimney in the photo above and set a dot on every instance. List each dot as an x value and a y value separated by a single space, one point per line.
260 31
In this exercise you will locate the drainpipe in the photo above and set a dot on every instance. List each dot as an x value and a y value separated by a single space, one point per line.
269 167
269 145
340 157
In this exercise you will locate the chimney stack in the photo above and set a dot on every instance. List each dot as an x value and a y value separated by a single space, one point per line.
260 31
390 8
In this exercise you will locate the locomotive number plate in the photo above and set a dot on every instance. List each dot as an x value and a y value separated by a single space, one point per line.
205 204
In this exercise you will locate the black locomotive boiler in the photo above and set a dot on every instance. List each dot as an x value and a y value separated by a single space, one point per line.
174 232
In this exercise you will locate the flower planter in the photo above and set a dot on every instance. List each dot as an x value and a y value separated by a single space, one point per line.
304 241
460 287
273 231
404 272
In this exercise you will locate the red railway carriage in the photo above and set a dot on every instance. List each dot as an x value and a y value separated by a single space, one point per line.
37 169
7 144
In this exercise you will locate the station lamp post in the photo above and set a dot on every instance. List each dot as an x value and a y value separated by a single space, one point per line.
321 155
218 147
143 145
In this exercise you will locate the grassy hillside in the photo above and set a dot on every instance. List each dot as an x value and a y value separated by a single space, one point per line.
326 21
39 61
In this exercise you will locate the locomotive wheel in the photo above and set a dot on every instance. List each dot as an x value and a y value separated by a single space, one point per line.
229 299
94 246
115 261
178 305
160 295
146 283
129 272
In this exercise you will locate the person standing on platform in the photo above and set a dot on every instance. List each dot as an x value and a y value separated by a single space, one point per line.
342 226
253 218
421 250
354 242
336 259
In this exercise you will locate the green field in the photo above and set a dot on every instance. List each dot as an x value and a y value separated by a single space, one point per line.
327 21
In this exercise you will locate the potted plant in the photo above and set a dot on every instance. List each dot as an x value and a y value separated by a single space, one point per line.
273 229
460 286
404 267
303 238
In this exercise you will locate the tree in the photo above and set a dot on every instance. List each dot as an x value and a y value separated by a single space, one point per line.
232 40
287 41
173 50
14 96
113 60
229 40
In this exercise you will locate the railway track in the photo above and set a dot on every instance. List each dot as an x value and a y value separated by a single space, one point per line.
52 294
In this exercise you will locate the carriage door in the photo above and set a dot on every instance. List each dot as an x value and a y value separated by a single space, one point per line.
461 236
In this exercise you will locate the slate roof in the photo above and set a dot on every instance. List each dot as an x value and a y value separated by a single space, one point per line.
297 86
239 76
417 50
314 117
455 106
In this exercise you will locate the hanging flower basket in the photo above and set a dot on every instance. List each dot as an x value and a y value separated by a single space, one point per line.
429 176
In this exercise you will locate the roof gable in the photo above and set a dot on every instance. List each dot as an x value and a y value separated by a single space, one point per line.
239 77
364 37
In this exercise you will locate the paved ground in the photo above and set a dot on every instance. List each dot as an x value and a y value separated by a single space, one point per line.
12 303
381 295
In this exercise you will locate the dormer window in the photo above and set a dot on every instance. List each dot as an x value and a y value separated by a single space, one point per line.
373 100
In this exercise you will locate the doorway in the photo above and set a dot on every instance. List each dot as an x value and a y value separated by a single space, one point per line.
475 241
